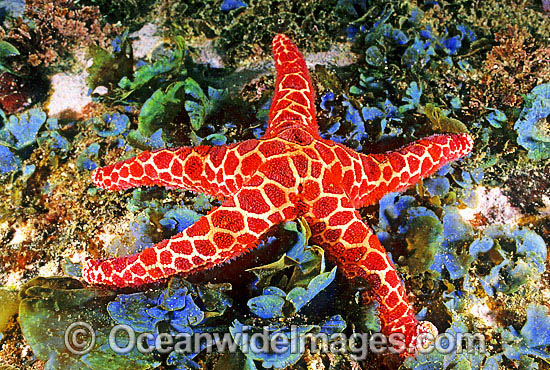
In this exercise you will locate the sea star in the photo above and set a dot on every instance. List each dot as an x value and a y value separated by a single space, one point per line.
290 172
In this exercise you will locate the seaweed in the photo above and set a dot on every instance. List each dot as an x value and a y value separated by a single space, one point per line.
491 17
533 125
281 353
50 308
306 264
21 130
419 227
155 141
287 285
402 54
431 235
8 161
172 310
7 50
413 94
107 69
10 307
244 31
145 76
20 135
449 356
129 12
496 118
168 100
111 124
52 139
534 337
413 38
358 124
49 31
11 9
229 5
512 349
508 259
48 312
179 308
153 220
512 68
84 160
164 105
179 219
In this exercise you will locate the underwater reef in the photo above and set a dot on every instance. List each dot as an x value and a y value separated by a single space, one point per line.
87 83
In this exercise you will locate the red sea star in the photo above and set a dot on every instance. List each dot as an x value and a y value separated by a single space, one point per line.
290 172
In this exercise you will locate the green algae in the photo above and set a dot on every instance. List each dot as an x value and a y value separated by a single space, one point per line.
147 75
533 124
161 107
7 50
165 104
48 308
10 307
244 32
423 238
131 13
442 123
108 68
494 15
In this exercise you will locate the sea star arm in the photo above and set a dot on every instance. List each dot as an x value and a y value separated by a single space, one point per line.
226 232
293 104
400 169
205 169
351 244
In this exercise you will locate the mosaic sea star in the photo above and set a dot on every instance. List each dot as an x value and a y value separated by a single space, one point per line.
290 172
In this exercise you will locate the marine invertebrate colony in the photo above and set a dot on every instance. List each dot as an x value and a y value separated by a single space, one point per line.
290 172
